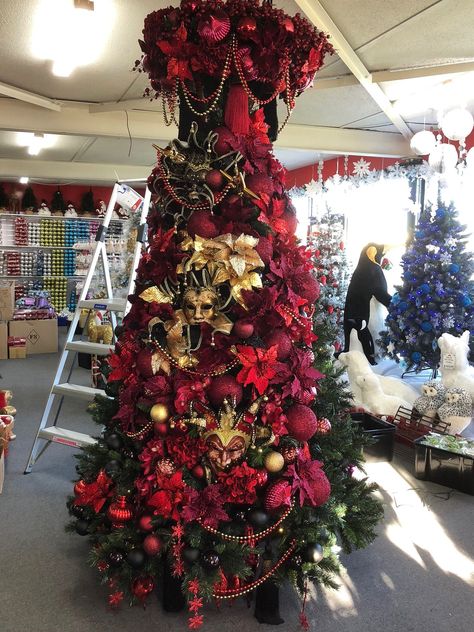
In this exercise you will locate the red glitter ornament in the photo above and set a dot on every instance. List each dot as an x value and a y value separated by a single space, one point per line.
225 142
243 329
224 386
198 471
145 523
289 453
282 341
323 426
152 545
214 27
145 363
301 422
119 512
165 467
201 223
142 587
306 286
215 179
160 429
264 249
277 495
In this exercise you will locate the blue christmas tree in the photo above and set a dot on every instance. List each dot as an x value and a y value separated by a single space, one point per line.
437 291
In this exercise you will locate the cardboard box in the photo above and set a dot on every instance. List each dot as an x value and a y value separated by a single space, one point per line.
3 341
7 299
41 335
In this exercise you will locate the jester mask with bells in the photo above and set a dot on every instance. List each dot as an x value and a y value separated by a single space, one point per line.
229 434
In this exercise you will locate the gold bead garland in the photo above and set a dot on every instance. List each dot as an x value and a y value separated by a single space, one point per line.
238 592
146 428
215 373
247 539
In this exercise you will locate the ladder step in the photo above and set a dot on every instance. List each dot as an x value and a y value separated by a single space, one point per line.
94 348
78 391
66 437
110 304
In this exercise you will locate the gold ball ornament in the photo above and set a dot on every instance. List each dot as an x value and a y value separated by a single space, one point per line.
159 413
274 462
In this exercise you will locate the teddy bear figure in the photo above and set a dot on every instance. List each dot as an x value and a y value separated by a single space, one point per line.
433 394
456 410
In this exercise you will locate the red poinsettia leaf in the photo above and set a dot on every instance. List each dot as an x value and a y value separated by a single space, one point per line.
165 47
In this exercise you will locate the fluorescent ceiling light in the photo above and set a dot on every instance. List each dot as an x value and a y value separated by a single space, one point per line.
27 139
69 36
438 97
24 180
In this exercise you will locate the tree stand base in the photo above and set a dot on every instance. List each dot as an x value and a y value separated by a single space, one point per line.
267 604
173 598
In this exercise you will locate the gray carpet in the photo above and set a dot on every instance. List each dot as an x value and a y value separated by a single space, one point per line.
418 574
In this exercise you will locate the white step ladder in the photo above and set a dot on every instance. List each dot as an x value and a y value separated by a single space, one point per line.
48 432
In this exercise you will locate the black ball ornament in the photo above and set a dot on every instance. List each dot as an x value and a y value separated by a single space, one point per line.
136 558
77 511
116 558
190 554
112 467
210 560
113 441
312 552
82 527
258 518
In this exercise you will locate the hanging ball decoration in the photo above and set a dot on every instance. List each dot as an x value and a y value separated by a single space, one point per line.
301 422
426 326
112 467
82 527
276 496
114 441
210 560
282 341
152 545
76 510
202 223
224 144
258 518
443 158
159 413
190 555
136 558
312 553
262 477
144 363
289 453
198 471
424 288
142 587
323 426
423 143
222 387
115 558
457 124
243 329
402 306
416 356
264 249
160 429
466 301
214 180
274 462
144 523
454 268
119 512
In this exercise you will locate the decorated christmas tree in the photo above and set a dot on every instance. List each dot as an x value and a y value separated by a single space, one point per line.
28 201
437 292
330 264
87 202
225 461
58 203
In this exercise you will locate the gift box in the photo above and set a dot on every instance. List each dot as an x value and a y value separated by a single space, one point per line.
16 347
381 433
444 467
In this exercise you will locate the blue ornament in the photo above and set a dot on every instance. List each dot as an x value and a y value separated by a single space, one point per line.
402 306
426 326
396 298
454 268
440 213
424 288
416 356
466 301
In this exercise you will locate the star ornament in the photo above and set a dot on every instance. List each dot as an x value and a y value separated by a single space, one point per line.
361 168
390 347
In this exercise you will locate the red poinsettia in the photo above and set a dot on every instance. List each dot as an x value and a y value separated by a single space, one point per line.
206 504
95 494
167 500
309 480
259 366
190 390
185 451
240 484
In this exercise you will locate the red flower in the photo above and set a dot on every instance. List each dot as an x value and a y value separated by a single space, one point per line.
258 366
195 604
115 598
166 501
309 481
240 484
119 369
190 390
95 494
185 451
195 621
208 505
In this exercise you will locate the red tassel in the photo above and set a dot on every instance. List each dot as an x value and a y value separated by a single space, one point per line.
236 116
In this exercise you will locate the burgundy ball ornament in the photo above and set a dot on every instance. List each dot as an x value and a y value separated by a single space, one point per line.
243 329
160 429
152 545
224 386
323 426
144 523
225 142
306 286
142 587
202 223
198 471
276 496
301 422
282 341
215 180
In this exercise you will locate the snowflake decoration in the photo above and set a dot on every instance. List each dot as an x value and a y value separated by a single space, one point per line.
411 339
432 248
448 322
445 257
439 286
450 242
314 187
361 168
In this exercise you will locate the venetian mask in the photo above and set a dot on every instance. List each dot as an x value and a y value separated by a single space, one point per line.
200 305
223 456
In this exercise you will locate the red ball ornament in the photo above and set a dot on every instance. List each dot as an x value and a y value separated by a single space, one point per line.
152 545
243 329
202 223
225 142
306 286
301 422
321 489
323 426
282 341
198 471
142 587
264 249
330 309
322 280
291 221
144 523
224 386
260 183
289 453
246 27
119 512
160 429
215 179
277 495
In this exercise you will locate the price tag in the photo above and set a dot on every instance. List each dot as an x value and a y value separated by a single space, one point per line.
449 361
128 198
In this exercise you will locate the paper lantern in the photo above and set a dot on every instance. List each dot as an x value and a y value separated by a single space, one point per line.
443 158
457 124
423 143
